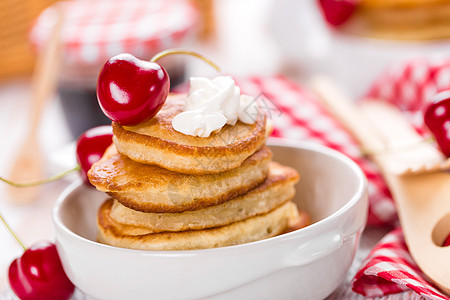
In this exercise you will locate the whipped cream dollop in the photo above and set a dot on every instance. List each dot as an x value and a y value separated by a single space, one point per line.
212 103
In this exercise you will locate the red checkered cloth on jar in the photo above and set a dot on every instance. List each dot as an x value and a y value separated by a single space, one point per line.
94 31
298 115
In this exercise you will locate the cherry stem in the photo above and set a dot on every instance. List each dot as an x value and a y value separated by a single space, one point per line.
42 181
184 51
14 235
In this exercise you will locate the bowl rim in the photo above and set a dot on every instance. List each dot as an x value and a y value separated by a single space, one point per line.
60 226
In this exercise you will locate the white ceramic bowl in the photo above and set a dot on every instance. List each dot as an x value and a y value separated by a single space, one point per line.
305 264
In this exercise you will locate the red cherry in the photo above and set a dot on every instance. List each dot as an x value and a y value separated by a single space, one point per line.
90 148
337 12
130 90
437 119
447 241
38 274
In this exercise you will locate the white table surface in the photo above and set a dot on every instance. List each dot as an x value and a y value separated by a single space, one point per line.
239 50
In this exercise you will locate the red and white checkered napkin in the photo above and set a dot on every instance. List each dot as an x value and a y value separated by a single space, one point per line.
297 114
410 85
98 29
390 269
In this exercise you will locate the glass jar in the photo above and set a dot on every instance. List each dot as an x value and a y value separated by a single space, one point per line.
94 31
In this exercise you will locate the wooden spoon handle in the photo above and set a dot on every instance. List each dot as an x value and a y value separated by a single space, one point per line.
28 164
424 210
406 151
347 113
46 72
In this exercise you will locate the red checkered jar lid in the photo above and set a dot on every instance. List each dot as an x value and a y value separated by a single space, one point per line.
93 31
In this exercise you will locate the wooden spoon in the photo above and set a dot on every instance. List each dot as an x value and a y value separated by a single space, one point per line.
422 199
28 164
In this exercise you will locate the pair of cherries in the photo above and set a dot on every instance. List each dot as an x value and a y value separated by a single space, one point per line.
38 273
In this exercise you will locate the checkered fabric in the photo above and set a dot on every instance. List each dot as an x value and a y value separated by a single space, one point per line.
297 114
410 85
96 30
390 269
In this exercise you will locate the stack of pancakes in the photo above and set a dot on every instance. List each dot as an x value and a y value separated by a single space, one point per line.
171 191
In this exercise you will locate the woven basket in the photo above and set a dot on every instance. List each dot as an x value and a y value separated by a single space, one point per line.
16 17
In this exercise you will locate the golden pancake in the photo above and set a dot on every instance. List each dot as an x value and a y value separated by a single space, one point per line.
156 142
149 188
249 230
277 189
